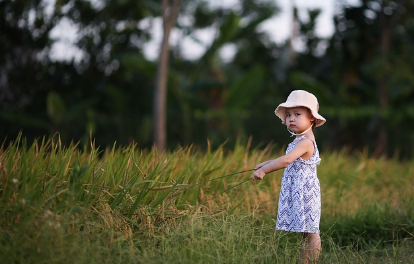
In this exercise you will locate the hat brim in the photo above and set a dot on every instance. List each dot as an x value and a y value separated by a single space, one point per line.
280 112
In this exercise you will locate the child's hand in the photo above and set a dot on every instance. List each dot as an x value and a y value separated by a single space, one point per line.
258 175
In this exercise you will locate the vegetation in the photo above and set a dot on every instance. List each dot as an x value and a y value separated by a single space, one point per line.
362 74
65 198
81 204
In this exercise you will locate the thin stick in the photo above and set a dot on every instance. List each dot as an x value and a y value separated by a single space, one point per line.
198 183
240 183
221 177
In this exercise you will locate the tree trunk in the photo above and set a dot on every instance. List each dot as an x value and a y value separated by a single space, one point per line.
387 24
169 16
382 141
295 35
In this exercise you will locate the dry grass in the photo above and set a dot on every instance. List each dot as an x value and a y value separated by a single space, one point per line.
119 205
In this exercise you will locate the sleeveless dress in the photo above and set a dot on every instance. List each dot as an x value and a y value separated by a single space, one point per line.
299 207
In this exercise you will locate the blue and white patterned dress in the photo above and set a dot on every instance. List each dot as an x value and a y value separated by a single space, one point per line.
299 207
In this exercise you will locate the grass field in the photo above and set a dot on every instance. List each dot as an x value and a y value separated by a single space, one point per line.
72 204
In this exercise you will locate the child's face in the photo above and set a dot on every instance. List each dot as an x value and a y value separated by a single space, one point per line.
298 119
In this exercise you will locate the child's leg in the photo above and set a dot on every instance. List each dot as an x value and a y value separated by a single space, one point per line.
312 247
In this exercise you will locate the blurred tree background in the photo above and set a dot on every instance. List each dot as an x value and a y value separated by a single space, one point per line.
363 75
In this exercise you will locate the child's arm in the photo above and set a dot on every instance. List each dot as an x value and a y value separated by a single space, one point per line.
261 165
301 149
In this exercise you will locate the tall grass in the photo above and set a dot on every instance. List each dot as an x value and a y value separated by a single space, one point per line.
77 204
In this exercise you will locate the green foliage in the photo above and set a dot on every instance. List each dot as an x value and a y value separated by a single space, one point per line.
362 74
55 107
365 229
60 204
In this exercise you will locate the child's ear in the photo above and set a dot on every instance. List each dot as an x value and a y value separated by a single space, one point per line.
313 119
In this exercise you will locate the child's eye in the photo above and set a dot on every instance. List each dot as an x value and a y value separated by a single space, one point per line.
297 114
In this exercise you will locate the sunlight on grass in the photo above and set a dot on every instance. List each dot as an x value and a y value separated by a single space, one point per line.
67 204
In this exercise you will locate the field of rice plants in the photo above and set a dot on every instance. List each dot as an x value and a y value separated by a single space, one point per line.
83 204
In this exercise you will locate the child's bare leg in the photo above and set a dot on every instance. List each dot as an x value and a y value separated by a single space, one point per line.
312 247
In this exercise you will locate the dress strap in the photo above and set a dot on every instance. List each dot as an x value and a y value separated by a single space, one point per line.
309 139
315 151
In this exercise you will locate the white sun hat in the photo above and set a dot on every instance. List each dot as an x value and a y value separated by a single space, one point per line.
301 98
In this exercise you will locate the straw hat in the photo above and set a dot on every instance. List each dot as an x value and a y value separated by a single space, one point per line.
301 98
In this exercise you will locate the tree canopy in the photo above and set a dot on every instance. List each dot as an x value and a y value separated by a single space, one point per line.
362 75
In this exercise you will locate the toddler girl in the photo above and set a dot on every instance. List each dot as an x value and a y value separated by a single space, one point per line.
299 207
